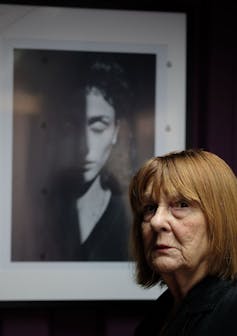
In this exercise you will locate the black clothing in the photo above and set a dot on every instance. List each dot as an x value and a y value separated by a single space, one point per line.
108 241
210 308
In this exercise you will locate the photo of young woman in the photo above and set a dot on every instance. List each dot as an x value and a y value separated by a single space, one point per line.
91 111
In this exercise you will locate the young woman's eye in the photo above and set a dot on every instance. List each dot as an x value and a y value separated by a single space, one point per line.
99 124
98 127
149 211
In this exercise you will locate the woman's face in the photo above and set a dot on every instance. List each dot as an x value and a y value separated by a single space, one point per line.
100 135
175 237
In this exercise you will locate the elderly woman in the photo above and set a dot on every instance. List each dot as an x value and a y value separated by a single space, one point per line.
184 236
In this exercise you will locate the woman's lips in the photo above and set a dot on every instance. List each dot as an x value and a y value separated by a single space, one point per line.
88 165
161 248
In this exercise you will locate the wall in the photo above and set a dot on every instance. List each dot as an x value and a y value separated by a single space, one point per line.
212 92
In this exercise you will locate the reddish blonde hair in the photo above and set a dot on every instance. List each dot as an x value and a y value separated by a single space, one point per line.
198 176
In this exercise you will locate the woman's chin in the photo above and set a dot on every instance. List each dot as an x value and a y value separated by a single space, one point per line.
164 265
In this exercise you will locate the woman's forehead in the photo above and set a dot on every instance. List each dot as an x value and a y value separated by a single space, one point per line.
166 187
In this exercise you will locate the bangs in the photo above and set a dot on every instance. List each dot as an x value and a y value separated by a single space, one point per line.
178 183
166 176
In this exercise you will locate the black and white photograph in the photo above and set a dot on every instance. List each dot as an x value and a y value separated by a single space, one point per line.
84 122
82 107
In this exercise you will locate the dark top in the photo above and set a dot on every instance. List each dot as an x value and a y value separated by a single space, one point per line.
108 240
210 308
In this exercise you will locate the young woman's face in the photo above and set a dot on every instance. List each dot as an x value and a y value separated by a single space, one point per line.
100 134
175 237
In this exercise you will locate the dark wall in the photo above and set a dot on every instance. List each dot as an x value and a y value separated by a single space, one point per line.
211 124
212 81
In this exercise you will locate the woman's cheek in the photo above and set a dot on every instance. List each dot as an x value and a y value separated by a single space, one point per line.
146 234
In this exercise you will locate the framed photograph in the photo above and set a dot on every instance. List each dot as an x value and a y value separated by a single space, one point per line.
86 96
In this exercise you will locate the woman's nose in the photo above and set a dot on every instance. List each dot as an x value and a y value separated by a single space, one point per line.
160 220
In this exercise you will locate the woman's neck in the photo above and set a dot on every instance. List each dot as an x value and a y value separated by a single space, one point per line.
91 206
181 283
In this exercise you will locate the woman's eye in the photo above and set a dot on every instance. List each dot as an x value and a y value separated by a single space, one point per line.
149 211
98 124
98 127
181 204
180 208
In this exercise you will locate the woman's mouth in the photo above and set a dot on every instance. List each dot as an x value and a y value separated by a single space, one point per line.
162 247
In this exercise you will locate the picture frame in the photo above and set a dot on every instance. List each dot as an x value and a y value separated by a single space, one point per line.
161 34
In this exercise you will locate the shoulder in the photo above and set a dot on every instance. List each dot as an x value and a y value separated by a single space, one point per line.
229 297
223 319
219 293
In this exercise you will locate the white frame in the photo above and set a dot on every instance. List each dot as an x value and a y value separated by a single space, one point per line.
52 27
